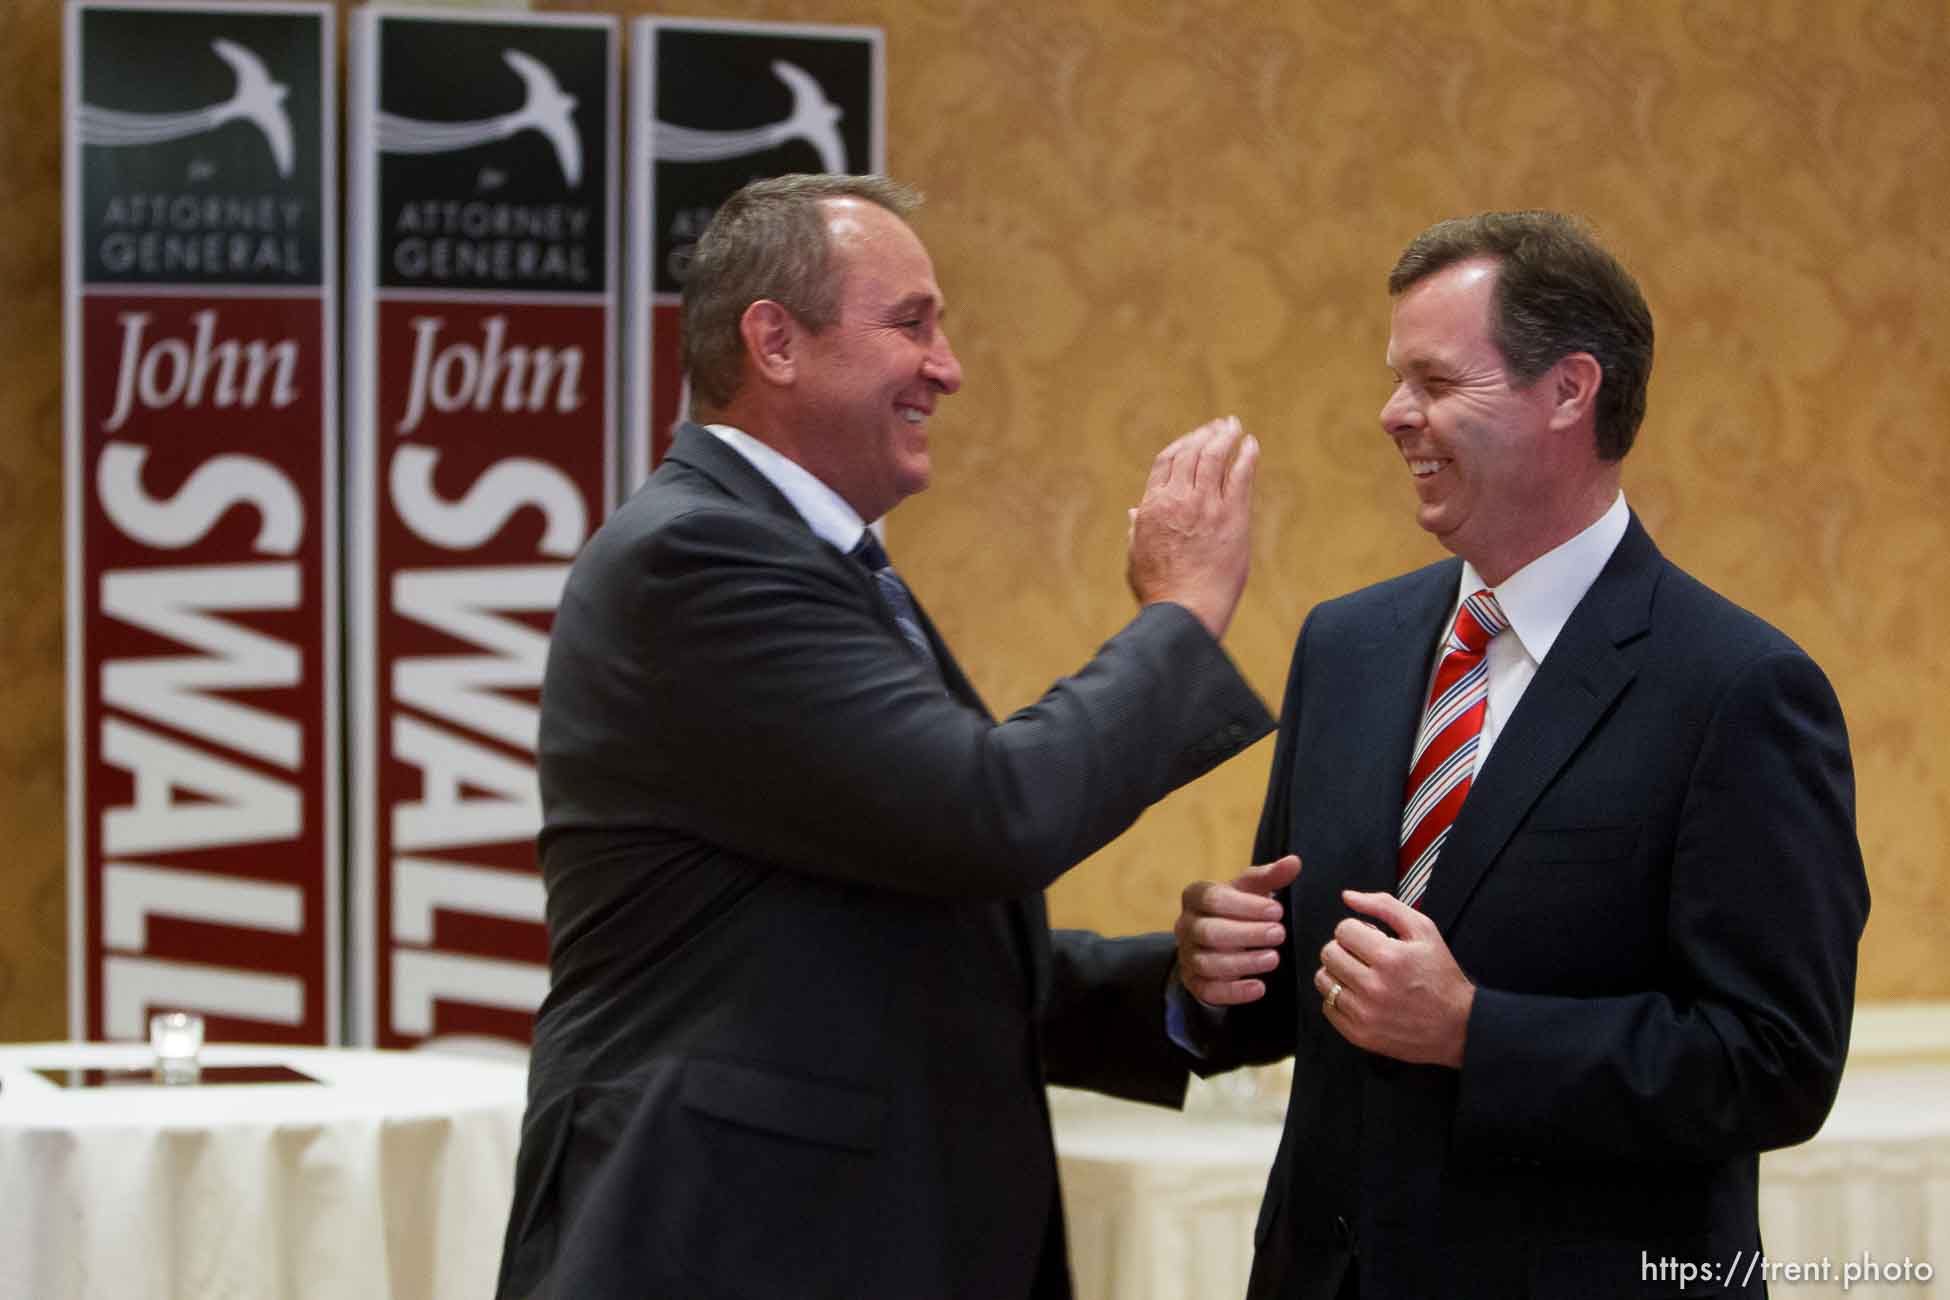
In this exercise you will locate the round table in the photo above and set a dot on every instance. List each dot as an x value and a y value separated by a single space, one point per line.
387 1175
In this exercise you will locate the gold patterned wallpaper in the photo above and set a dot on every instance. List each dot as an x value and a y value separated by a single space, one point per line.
1144 215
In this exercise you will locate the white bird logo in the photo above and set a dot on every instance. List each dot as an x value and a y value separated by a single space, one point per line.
257 100
546 108
814 119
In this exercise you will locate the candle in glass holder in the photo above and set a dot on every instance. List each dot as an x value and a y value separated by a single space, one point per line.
177 1038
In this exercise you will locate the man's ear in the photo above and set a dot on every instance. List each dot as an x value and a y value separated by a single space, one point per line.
1574 379
771 341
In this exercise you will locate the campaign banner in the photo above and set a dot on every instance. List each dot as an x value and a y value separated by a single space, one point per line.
201 519
480 255
712 106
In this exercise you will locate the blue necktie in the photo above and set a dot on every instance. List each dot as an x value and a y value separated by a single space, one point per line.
900 602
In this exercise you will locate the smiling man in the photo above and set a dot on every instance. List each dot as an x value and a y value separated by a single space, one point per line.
804 994
1575 935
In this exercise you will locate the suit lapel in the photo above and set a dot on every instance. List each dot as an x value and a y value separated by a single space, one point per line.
1588 668
697 448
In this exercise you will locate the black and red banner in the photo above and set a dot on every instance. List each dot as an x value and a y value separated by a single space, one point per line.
202 520
481 414
712 106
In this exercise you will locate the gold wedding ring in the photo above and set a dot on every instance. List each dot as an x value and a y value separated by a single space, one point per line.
1333 995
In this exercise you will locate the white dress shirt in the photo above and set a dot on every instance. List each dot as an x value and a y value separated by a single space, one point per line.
824 510
1538 600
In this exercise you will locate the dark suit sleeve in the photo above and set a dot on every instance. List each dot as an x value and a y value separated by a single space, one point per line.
1767 900
1256 1033
792 725
1101 1028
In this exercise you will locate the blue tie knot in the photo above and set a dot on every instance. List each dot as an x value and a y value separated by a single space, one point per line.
870 552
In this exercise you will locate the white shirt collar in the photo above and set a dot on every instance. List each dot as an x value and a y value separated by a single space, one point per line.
1539 597
824 510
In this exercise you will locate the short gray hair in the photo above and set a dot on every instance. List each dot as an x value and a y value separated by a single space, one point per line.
768 240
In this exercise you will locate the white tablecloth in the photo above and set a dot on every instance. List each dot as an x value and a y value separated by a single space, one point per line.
388 1181
1161 1205
1873 1188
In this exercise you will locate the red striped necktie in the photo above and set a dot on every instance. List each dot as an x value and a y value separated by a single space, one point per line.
1444 764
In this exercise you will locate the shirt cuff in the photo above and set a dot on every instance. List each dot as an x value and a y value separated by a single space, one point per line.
1188 1022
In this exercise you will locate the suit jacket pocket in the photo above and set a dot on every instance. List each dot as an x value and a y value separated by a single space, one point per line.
774 1184
831 1114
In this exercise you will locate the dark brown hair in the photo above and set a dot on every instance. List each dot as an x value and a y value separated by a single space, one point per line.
1557 292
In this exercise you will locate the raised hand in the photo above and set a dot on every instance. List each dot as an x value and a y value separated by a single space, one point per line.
1190 540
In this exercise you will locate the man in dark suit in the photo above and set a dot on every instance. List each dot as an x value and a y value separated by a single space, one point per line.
804 995
1576 932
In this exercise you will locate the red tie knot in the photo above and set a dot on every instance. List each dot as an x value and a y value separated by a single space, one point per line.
1477 623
